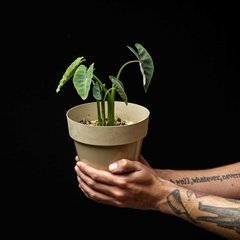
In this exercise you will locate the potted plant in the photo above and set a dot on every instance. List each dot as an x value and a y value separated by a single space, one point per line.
106 130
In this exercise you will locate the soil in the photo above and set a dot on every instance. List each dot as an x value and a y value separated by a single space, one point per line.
118 122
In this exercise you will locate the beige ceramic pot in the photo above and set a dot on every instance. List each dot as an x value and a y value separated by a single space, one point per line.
101 145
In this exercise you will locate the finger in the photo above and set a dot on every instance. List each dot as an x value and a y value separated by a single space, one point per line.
98 196
76 158
96 174
86 183
77 170
124 166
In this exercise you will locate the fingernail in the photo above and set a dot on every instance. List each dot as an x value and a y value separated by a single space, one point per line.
112 166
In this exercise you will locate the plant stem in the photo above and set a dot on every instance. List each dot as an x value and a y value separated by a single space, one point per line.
103 112
124 65
111 112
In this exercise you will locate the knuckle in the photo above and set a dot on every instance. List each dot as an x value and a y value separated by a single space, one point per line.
123 184
91 182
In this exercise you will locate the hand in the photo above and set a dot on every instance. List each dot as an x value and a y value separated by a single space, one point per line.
141 159
127 184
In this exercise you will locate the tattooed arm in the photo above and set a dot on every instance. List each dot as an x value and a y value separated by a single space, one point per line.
215 214
223 181
131 184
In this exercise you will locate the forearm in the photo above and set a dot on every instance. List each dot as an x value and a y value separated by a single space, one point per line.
215 214
221 181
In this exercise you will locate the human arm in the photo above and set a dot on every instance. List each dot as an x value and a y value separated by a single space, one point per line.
223 181
213 213
134 185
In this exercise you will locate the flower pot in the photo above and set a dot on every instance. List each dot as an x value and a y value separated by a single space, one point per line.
99 146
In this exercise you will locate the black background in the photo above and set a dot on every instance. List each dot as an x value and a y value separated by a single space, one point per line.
193 98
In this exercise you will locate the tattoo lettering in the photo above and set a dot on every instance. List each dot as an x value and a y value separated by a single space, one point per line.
203 179
175 203
225 217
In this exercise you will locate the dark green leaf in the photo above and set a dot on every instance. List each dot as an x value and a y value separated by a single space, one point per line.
97 91
118 85
146 64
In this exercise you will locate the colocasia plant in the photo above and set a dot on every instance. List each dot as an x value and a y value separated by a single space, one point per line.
84 79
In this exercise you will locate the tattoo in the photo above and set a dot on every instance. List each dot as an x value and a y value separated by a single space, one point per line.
196 194
225 217
233 200
203 179
175 203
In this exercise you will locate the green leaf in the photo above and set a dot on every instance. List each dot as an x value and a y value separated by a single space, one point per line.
82 80
97 91
146 64
69 72
118 85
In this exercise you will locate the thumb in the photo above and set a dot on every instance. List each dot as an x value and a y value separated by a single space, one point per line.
123 166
